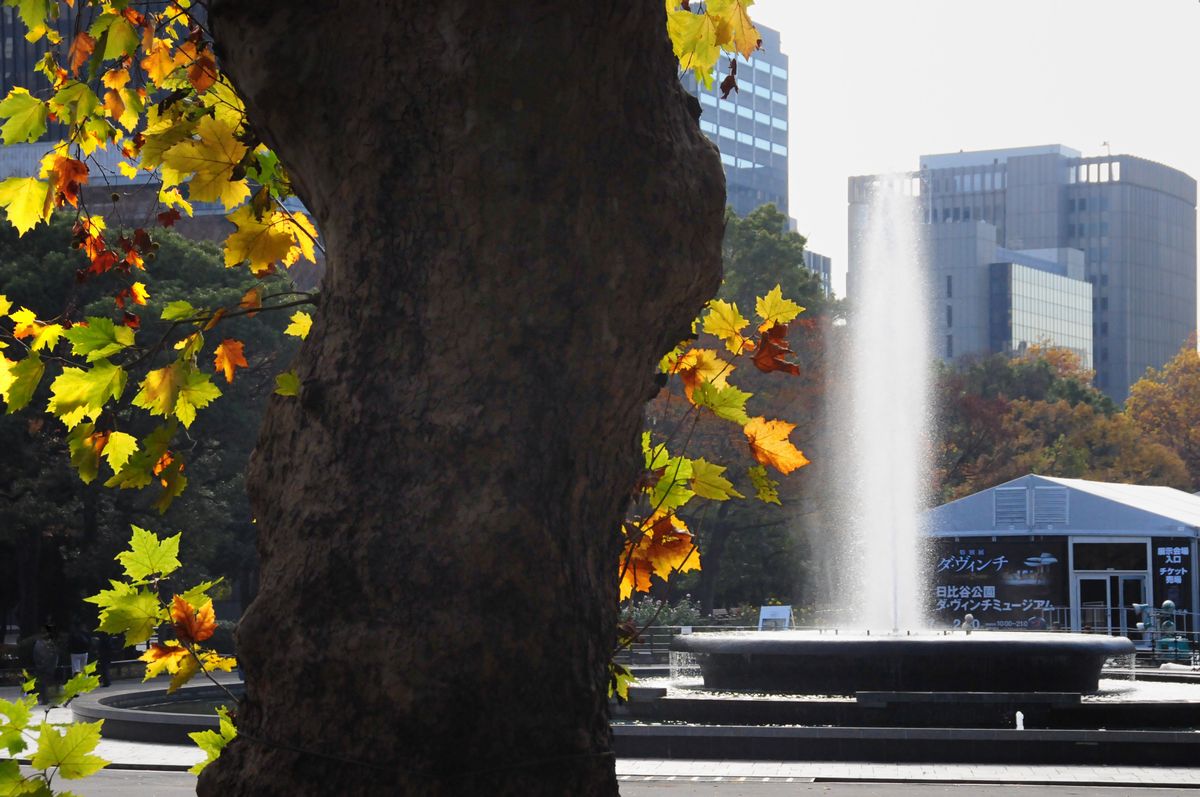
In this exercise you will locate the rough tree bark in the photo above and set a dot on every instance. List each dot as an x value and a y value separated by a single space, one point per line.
521 215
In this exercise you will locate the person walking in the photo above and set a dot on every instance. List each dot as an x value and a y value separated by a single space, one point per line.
104 651
45 664
79 643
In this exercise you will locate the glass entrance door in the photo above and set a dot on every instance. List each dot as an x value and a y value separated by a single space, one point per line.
1106 603
1095 604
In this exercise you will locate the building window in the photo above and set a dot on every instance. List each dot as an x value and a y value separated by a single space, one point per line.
1082 204
1071 205
949 286
949 347
949 316
779 149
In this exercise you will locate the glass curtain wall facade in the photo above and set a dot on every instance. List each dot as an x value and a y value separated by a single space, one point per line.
1031 307
751 127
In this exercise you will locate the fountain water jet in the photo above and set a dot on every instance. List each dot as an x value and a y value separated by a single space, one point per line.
886 463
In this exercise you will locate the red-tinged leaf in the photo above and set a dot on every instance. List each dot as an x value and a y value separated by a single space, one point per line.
229 357
773 350
168 217
82 47
131 320
103 261
729 84
192 624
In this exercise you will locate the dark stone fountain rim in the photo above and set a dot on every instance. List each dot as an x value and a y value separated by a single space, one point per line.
794 643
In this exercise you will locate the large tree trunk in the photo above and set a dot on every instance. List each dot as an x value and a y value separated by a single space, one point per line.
521 216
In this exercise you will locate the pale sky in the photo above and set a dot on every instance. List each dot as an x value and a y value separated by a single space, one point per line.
874 84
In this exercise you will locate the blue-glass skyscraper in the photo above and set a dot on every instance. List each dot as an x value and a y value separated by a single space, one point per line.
750 128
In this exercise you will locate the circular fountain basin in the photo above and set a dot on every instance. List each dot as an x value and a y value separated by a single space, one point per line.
821 663
151 715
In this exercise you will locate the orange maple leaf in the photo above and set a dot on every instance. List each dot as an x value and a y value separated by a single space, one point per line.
82 47
657 546
772 349
769 444
229 356
192 624
202 68
251 302
68 175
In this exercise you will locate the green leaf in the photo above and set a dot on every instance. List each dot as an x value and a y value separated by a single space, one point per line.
119 37
77 394
11 780
127 610
69 752
213 742
148 555
727 402
79 684
287 384
74 102
672 489
198 595
138 471
708 482
765 487
26 117
655 456
26 201
18 381
16 714
177 389
120 447
178 311
100 338
34 14
84 456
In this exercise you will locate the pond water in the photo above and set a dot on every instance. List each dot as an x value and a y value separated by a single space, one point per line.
189 706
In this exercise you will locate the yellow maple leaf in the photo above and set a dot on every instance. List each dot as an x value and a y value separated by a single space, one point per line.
162 658
724 321
262 242
301 324
138 293
210 160
26 201
769 444
25 323
160 61
774 309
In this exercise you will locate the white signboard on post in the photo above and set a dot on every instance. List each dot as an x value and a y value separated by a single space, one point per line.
774 618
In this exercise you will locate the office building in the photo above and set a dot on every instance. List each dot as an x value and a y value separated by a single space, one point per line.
822 266
1033 245
751 126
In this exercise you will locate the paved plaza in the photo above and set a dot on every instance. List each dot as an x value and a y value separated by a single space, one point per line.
159 769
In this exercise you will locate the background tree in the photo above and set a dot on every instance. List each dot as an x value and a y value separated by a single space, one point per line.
63 533
1002 417
1165 404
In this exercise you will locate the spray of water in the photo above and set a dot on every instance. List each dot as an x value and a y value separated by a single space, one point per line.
885 471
